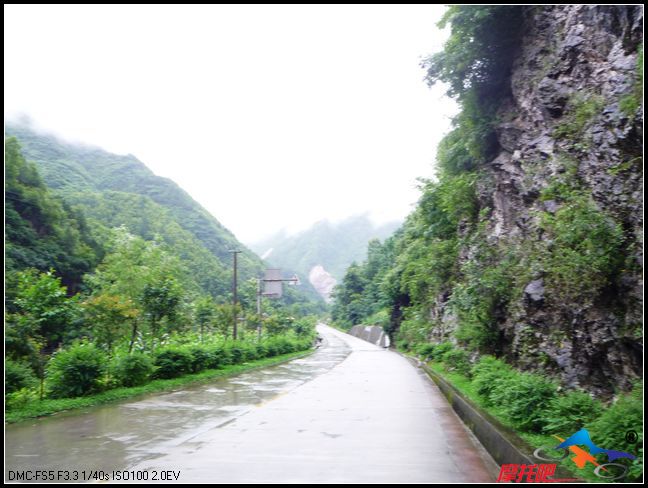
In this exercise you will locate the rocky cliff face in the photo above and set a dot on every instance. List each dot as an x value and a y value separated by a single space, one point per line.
322 281
573 123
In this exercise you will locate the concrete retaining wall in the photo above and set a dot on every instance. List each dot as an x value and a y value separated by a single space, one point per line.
370 333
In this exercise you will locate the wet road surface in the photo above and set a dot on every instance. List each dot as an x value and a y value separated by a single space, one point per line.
351 412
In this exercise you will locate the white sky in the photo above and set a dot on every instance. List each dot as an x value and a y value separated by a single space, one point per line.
270 116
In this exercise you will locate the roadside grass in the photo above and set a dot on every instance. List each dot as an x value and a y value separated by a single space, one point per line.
464 385
52 406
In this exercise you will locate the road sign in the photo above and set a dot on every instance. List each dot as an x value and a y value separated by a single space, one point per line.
272 284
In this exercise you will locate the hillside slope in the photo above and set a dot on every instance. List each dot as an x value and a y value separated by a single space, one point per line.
120 190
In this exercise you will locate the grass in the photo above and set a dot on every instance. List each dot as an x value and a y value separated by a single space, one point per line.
581 111
467 388
52 406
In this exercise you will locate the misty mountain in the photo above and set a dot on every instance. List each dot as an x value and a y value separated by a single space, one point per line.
333 246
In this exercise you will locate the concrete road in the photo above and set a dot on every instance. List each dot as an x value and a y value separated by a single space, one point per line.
373 418
351 412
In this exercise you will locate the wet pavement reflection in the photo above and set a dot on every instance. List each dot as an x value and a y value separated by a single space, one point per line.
118 436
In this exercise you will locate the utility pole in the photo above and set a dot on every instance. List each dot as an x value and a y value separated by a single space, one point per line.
259 306
234 298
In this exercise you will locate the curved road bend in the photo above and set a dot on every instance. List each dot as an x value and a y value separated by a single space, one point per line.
350 413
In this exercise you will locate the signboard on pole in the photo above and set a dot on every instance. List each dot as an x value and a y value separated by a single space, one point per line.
272 284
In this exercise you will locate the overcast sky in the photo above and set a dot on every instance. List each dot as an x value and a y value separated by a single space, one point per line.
270 116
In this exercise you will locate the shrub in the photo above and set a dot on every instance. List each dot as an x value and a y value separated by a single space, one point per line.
76 371
305 326
524 399
571 412
486 373
20 398
586 253
457 360
201 358
413 331
484 292
272 347
609 430
287 346
262 350
222 355
250 352
214 358
581 111
280 345
172 362
440 350
237 352
133 370
18 376
425 351
402 345
303 344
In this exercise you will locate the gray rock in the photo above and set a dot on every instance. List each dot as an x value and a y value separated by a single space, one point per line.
535 290
550 206
568 51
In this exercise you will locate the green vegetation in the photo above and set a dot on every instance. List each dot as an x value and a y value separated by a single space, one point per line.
476 65
580 112
586 250
535 408
571 412
75 371
132 369
131 341
24 404
419 264
630 103
17 376
151 301
41 230
450 284
626 166
83 172
448 273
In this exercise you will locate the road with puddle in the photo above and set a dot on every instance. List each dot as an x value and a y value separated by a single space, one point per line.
350 412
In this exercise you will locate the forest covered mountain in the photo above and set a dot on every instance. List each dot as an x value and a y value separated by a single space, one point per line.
326 249
78 212
120 190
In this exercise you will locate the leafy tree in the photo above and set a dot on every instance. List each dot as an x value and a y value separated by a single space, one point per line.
205 314
110 317
43 307
225 317
349 307
147 275
160 300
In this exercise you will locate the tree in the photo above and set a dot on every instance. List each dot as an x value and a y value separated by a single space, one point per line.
43 303
42 318
145 273
110 316
205 313
160 300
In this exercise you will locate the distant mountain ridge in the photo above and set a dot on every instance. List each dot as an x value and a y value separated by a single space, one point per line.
332 246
